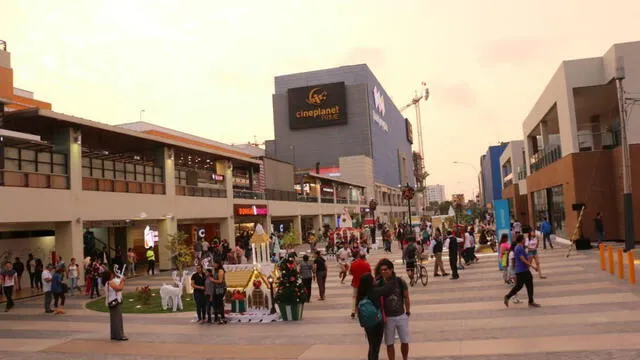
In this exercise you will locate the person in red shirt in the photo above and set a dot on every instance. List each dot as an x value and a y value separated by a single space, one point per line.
358 268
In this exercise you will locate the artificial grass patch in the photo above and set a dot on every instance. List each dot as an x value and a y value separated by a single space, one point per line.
131 304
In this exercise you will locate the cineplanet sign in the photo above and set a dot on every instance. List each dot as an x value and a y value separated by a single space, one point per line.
379 109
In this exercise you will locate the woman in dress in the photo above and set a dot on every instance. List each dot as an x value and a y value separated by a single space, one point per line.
113 289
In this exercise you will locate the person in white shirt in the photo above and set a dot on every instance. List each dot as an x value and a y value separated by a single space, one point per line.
517 227
46 287
344 259
72 274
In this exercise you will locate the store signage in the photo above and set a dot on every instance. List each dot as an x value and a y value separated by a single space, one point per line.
409 131
379 109
150 237
216 177
317 106
250 210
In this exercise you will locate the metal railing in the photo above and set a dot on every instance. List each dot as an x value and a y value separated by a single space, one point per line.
544 158
342 201
185 190
280 195
327 200
599 141
247 194
305 198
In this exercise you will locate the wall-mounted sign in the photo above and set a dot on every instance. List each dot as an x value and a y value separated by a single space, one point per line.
379 109
217 177
150 237
409 131
250 210
317 106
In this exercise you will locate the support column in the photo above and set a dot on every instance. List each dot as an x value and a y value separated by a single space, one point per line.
544 135
319 192
297 225
268 228
227 231
165 160
317 223
69 243
166 227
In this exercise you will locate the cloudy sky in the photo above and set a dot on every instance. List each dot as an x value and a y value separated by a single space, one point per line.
207 67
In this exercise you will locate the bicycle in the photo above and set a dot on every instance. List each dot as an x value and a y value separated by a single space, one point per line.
420 273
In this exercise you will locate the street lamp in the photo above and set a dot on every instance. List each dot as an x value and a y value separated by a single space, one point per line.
273 303
407 193
629 236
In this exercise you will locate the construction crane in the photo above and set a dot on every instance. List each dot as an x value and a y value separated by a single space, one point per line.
416 103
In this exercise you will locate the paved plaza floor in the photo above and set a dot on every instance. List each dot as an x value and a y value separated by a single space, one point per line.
586 314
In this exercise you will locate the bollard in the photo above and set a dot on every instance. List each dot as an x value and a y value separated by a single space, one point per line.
610 253
603 262
620 265
632 268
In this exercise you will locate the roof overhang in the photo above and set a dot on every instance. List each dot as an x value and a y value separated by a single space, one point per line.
81 123
333 179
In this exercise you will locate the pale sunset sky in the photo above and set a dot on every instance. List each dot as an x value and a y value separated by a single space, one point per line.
207 67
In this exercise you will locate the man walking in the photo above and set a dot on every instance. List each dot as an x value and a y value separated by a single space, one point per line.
599 227
358 268
8 279
397 308
31 269
453 255
409 256
18 266
47 276
523 275
545 229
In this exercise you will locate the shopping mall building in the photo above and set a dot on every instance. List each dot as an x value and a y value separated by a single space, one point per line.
68 183
572 144
341 123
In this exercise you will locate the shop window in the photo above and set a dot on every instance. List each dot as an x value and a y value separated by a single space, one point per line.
556 194
59 164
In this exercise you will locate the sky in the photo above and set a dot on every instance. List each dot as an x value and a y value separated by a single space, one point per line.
207 67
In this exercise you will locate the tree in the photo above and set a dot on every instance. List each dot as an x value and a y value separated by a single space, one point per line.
290 287
291 239
181 254
443 207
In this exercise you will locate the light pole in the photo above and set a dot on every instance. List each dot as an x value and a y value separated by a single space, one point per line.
141 112
629 238
475 169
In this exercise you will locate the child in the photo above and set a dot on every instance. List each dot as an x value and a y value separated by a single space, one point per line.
504 257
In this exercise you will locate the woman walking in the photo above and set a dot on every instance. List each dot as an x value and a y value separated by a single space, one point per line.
73 272
368 295
113 288
220 288
58 288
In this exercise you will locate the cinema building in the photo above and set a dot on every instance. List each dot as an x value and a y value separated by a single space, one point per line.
572 143
340 123
68 185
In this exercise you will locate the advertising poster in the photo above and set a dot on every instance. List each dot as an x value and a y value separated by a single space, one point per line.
503 222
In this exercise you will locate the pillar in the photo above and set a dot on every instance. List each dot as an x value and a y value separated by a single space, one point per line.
165 159
317 222
268 228
544 135
227 231
319 191
69 243
297 225
166 228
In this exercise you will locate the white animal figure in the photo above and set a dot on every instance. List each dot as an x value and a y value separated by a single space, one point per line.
172 296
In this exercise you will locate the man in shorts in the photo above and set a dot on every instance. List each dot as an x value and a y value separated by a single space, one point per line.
397 309
344 259
409 255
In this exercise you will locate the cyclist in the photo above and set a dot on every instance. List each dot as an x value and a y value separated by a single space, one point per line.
409 255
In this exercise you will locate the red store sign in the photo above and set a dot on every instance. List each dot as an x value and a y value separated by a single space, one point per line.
250 210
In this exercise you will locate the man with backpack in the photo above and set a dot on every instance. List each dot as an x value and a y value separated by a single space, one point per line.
396 307
409 255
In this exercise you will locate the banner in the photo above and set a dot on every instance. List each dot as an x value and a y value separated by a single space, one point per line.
503 222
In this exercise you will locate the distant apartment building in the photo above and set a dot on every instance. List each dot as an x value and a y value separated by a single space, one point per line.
434 193
491 174
572 144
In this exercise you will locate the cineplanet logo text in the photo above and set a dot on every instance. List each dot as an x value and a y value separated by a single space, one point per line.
378 102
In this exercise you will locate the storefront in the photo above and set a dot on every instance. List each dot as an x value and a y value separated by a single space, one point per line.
247 216
200 231
282 226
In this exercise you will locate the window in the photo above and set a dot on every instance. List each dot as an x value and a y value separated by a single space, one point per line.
557 209
540 207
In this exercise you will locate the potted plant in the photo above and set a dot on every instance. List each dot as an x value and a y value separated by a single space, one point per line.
290 294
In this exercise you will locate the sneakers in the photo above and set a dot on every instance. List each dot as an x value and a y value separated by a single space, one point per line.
534 305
